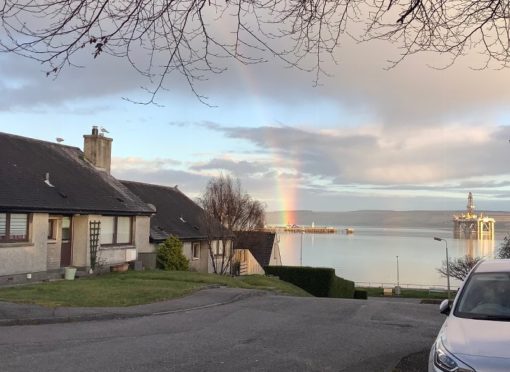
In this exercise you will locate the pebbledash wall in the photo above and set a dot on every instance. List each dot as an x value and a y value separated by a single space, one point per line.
41 254
30 256
109 255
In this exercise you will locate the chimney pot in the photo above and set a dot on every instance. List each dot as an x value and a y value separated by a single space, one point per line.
95 131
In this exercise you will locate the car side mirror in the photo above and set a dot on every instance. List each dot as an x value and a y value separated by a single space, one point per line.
444 307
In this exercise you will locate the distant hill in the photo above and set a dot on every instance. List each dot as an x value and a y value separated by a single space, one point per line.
388 219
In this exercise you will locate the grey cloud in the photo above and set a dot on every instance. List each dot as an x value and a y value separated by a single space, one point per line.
187 182
360 85
349 159
238 168
25 84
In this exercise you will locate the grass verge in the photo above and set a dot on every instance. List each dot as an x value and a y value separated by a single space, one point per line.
135 288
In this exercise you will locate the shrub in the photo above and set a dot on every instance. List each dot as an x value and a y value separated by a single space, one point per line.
504 249
170 256
320 282
360 295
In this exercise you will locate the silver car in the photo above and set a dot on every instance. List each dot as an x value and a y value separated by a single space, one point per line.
476 333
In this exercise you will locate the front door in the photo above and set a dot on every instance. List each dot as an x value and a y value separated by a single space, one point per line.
65 250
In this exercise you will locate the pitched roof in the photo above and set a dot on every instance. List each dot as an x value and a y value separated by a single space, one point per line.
176 214
78 187
259 243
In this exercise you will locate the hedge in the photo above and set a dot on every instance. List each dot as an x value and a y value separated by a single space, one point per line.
360 294
320 282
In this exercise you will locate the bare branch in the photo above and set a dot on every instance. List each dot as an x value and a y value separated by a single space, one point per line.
195 38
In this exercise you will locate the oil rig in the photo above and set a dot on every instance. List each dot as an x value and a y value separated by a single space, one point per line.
471 226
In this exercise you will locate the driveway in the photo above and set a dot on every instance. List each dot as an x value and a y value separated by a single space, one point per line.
258 333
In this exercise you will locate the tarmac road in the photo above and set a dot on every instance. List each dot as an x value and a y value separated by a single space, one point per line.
253 333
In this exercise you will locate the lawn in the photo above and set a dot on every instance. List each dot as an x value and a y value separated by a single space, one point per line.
135 288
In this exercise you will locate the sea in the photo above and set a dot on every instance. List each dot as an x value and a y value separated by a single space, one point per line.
369 255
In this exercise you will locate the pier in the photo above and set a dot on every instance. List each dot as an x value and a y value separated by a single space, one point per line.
301 229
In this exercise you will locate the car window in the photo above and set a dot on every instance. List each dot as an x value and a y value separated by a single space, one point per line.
485 296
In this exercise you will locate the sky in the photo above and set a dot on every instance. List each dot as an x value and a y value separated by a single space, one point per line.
411 137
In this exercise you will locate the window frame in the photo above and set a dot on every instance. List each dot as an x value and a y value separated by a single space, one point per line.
219 249
8 229
195 245
115 232
52 228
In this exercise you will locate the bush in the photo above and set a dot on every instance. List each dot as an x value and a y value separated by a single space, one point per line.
170 256
360 295
320 282
504 249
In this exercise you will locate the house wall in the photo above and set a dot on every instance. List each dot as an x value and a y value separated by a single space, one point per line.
199 264
142 232
54 247
80 237
249 265
107 255
27 257
276 258
218 259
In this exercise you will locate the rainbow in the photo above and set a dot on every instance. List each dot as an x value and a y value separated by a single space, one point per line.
286 188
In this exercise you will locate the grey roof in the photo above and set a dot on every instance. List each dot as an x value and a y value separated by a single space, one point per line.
176 214
78 187
259 243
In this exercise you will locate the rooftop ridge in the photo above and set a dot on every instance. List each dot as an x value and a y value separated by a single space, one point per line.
38 140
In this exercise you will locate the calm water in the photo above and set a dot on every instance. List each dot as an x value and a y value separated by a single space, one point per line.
369 255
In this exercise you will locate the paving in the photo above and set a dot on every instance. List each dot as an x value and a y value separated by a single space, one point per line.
381 314
24 314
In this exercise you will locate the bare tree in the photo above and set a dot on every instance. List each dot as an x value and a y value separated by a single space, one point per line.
459 267
193 37
504 249
227 211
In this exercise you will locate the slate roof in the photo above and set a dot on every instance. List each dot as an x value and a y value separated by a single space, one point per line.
78 186
176 214
259 243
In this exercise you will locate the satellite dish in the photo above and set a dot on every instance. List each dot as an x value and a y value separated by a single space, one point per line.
59 139
104 130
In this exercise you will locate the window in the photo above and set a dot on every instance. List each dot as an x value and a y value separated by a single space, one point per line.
218 248
13 227
66 228
52 229
195 251
115 230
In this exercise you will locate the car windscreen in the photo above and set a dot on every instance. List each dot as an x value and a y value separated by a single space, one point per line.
485 296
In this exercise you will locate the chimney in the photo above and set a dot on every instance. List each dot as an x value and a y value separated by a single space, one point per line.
98 149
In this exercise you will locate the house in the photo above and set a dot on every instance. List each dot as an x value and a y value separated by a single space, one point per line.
56 202
179 216
256 249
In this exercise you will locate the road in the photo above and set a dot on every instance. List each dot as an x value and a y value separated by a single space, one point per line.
263 333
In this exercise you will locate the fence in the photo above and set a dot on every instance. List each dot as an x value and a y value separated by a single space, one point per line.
402 285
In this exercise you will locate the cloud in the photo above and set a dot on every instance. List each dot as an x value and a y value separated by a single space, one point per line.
133 162
24 84
360 87
238 168
385 157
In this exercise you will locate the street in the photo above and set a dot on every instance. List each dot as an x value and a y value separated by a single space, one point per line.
263 333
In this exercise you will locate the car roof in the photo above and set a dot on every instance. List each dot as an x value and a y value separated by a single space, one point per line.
489 266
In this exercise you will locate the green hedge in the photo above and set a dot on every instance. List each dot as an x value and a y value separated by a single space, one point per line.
320 282
360 295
